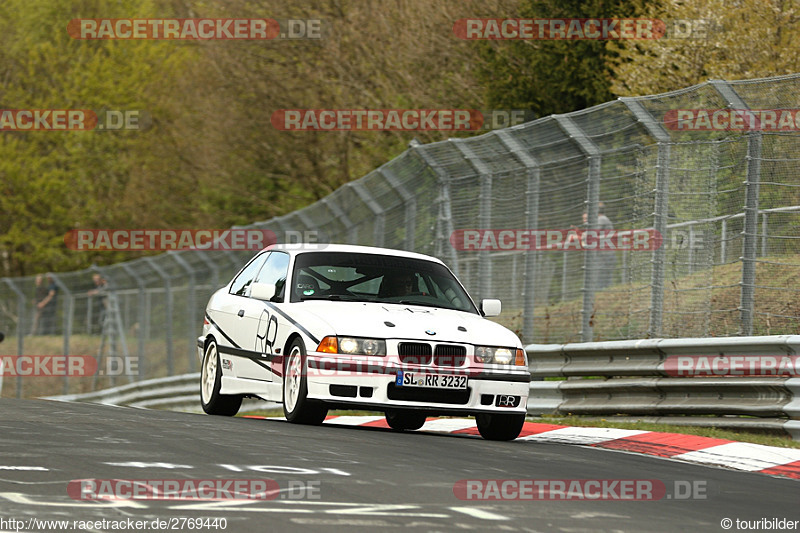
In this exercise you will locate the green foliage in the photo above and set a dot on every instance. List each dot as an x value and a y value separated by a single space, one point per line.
54 181
552 76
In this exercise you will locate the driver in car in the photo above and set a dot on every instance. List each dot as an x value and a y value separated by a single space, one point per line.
399 284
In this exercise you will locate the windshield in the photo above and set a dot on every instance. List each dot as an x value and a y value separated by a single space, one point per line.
346 276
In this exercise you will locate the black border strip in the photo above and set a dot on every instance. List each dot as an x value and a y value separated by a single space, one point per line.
294 322
256 357
211 320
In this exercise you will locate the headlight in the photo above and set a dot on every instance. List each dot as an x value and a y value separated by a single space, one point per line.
502 356
358 346
498 356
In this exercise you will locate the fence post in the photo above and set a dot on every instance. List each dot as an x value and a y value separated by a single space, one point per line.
750 245
191 309
444 221
21 319
484 216
364 195
142 318
409 201
594 158
724 243
69 307
750 231
340 215
168 318
532 222
660 210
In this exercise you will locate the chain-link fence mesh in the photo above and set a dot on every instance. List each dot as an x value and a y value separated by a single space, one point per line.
726 202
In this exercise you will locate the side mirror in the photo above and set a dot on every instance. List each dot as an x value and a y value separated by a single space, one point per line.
491 307
262 291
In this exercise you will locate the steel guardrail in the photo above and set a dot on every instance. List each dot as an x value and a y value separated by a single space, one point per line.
637 378
175 393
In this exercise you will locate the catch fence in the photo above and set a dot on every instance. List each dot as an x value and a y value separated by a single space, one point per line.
725 201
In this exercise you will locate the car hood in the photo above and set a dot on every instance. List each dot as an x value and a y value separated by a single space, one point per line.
397 321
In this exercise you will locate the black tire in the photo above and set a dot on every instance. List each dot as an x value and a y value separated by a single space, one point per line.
297 408
212 401
500 426
405 420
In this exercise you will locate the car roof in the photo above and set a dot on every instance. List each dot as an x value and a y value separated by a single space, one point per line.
298 248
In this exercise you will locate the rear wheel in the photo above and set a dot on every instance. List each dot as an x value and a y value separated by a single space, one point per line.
212 401
405 420
296 405
500 426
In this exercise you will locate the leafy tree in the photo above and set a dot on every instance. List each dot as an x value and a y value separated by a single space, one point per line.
553 76
710 39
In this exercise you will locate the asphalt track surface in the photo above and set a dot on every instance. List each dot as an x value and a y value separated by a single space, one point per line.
337 478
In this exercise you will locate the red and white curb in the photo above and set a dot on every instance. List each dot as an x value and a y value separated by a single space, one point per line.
743 456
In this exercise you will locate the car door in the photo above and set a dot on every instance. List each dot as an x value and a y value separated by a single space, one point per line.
260 322
229 316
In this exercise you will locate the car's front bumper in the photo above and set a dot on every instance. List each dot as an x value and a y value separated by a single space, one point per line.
371 382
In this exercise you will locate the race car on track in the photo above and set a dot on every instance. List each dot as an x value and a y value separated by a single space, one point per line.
318 327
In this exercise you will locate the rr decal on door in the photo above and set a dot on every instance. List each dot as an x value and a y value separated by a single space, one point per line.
267 332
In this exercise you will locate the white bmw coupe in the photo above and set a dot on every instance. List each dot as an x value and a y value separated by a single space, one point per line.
318 327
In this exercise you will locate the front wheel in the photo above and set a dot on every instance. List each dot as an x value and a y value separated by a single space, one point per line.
212 401
296 405
405 420
500 426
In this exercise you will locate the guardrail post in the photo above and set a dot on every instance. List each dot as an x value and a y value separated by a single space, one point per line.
594 158
750 245
532 222
484 216
660 211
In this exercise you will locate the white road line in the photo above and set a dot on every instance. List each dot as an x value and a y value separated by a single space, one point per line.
475 512
448 425
353 420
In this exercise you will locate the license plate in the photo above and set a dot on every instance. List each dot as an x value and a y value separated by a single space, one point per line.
430 381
